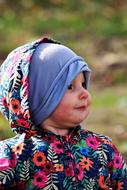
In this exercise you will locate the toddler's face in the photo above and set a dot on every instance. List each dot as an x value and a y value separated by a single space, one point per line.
74 106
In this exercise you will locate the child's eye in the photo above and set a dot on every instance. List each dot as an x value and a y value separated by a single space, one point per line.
84 84
70 87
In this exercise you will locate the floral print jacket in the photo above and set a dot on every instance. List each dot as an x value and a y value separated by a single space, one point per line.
36 159
82 160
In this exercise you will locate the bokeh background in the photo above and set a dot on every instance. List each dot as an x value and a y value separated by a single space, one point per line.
97 30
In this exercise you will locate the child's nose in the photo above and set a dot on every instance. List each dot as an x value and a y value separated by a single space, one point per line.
83 93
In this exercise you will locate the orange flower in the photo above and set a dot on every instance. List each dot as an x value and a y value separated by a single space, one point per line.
101 183
59 167
23 123
15 105
39 159
85 163
120 184
17 149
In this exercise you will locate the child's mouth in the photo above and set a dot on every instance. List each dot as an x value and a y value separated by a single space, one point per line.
81 108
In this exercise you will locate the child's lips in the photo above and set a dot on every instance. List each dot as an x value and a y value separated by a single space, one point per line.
83 107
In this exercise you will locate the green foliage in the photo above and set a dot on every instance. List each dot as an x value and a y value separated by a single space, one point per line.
107 97
22 20
5 131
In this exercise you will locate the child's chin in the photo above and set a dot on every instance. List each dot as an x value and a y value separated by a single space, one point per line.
82 119
79 121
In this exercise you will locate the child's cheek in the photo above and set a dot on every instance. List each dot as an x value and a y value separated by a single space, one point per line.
65 108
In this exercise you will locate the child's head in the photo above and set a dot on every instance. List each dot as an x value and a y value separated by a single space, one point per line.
34 82
52 70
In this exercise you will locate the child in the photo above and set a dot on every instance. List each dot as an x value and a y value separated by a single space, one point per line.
44 95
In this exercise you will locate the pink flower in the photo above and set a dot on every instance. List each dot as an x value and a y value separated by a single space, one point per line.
4 164
92 142
79 172
58 147
48 168
117 161
40 179
4 102
69 172
49 138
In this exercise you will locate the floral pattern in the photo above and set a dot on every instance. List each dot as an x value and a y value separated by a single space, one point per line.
66 162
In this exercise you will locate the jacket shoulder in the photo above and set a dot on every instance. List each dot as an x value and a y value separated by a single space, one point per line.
100 137
7 144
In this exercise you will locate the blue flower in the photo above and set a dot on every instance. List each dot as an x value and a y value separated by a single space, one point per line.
84 151
114 176
41 148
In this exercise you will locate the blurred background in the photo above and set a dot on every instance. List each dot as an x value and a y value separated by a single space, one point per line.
96 30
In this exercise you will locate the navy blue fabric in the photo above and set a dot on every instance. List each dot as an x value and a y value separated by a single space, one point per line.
52 69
